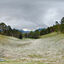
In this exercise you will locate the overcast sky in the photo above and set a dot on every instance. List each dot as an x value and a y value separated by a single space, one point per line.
31 14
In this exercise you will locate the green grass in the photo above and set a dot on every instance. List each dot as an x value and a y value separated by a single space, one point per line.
52 35
49 48
49 35
18 62
35 56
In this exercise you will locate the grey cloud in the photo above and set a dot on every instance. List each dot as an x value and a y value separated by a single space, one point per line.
31 13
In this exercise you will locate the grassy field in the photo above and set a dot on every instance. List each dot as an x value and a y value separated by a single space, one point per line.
48 49
15 62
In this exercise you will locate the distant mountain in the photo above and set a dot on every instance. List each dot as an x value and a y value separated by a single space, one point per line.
40 29
27 31
24 31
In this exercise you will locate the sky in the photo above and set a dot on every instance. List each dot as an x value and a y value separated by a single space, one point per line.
31 14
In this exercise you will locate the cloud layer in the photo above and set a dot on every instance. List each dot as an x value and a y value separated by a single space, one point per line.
31 14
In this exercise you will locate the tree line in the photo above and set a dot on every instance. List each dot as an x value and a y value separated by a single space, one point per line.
58 27
7 30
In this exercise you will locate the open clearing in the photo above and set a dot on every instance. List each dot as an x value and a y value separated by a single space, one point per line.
49 49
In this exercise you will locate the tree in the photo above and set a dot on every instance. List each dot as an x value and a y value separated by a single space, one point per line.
31 34
8 31
3 26
20 36
26 35
62 25
43 32
57 27
36 34
47 30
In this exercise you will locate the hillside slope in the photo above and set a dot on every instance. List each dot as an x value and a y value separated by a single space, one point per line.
48 49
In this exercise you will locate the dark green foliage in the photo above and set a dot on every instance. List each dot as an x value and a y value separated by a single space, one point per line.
43 32
20 36
62 25
52 29
7 30
48 30
16 33
26 35
33 34
36 34
57 27
3 26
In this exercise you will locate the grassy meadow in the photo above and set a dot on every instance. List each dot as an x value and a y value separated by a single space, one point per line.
48 49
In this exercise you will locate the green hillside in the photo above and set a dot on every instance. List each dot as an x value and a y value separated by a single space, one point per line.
48 50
